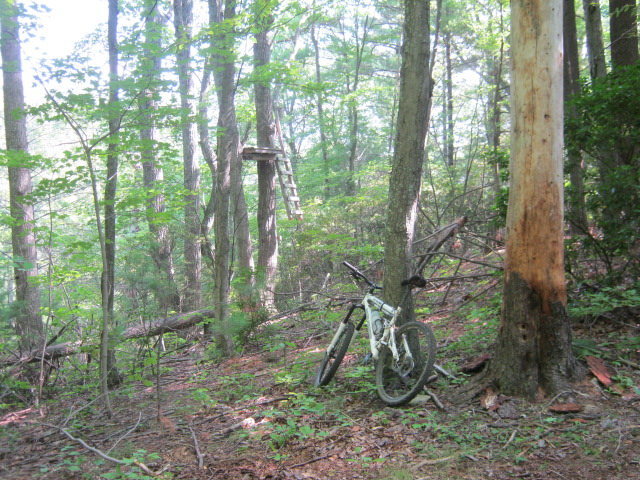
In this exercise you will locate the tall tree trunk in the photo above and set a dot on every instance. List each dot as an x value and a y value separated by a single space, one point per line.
265 130
241 231
227 153
28 320
534 341
448 100
183 19
321 121
167 293
624 52
352 89
111 184
211 161
623 16
595 44
571 74
406 172
242 235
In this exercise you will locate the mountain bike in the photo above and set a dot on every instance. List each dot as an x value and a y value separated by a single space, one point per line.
404 354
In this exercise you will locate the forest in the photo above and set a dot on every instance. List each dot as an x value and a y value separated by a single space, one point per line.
320 239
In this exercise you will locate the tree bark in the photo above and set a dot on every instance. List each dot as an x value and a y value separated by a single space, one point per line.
227 153
352 88
210 159
406 172
595 44
623 28
111 185
534 341
320 111
183 19
28 320
244 247
168 324
571 74
448 142
167 293
265 130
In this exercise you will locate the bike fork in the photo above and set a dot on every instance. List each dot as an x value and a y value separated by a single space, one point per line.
341 327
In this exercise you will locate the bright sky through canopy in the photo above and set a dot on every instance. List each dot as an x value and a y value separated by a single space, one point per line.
67 22
59 29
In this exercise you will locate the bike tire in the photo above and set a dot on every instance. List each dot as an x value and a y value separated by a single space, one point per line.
399 383
333 358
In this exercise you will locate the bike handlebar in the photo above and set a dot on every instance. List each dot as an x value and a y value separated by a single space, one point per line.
414 281
358 274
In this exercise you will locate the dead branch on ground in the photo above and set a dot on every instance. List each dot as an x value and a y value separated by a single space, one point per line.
100 453
196 446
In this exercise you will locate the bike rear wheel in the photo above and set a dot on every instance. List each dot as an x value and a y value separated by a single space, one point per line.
400 380
333 357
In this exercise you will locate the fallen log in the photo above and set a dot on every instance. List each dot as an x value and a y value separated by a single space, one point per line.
170 324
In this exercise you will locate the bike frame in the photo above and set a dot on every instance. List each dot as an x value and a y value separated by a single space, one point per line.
374 310
398 381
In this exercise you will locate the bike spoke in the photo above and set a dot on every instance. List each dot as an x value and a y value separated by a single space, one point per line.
401 379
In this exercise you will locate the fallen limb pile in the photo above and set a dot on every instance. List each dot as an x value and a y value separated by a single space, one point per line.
165 325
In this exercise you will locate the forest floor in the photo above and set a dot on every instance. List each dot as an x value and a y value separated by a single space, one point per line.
257 416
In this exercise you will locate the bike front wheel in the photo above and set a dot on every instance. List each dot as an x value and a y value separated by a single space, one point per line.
400 379
334 355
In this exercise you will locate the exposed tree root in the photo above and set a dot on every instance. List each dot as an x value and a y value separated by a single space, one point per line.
467 392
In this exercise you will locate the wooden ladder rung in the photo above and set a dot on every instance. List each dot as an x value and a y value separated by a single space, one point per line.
288 186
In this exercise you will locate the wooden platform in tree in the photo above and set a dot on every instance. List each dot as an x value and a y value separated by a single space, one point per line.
285 176
261 154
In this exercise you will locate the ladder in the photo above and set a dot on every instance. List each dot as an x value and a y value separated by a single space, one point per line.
288 187
285 176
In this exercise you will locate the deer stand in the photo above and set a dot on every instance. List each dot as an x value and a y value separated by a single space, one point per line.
274 156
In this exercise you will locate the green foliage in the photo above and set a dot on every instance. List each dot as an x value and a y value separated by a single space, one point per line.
14 391
202 397
607 127
585 346
481 327
76 464
360 379
131 471
73 460
338 229
498 159
625 382
592 304
398 474
283 433
358 112
292 424
236 387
